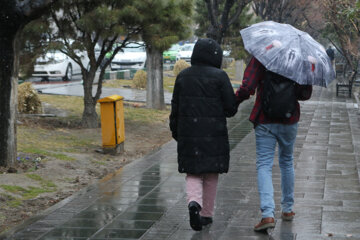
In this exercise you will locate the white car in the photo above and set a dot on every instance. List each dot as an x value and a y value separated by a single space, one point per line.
226 53
185 52
133 56
55 64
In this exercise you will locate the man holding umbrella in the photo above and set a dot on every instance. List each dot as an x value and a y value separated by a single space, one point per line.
278 53
268 132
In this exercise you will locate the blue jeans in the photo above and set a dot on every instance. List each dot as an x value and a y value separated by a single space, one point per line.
267 135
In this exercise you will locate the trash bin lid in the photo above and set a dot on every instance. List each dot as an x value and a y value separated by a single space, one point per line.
112 98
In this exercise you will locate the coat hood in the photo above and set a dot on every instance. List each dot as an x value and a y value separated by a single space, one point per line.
207 52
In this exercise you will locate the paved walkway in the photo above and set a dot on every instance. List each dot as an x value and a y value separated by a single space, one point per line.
146 200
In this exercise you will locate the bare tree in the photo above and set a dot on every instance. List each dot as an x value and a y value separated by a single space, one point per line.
306 15
314 21
14 15
282 11
344 27
220 20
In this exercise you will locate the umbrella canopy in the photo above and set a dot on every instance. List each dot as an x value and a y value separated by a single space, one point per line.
287 51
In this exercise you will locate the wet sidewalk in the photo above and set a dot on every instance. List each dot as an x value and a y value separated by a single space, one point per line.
146 200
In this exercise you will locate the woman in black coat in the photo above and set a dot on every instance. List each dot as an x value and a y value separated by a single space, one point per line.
203 97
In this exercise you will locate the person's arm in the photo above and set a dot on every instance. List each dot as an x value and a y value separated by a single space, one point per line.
228 97
254 72
174 110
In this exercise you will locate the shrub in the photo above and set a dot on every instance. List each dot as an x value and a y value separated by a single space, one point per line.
179 66
139 79
28 99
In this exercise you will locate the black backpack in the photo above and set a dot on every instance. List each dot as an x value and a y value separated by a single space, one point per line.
278 97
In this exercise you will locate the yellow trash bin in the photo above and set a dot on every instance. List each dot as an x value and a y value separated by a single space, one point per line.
112 124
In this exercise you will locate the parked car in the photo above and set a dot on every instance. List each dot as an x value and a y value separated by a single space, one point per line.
226 53
170 54
185 52
133 56
55 64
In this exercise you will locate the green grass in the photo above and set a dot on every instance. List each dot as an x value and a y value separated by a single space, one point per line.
72 104
15 203
69 179
58 142
118 83
231 71
40 141
145 115
29 192
50 184
43 152
75 105
98 162
62 157
53 143
33 192
35 151
25 193
168 83
32 169
43 182
13 189
35 177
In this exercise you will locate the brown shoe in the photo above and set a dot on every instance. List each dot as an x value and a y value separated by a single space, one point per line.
287 216
264 224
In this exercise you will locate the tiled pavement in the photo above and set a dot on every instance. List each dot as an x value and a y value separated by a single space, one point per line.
146 199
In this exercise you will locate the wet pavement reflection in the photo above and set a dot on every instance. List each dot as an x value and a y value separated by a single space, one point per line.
132 202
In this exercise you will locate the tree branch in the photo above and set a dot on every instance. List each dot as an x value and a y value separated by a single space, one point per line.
225 14
211 14
313 28
239 9
32 9
216 8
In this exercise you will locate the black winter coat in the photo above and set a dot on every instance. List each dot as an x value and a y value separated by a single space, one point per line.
202 99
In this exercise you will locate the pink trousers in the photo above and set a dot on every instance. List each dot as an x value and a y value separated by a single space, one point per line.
202 189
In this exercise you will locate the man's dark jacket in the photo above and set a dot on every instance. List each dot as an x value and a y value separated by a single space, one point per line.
203 97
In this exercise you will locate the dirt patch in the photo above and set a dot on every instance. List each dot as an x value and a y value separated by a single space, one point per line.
41 179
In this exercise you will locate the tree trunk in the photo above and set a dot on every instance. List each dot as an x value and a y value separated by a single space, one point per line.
215 33
154 85
13 16
218 26
89 117
10 26
8 99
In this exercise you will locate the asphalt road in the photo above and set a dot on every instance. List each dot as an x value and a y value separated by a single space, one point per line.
75 88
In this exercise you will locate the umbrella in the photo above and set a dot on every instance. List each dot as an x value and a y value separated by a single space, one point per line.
289 52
